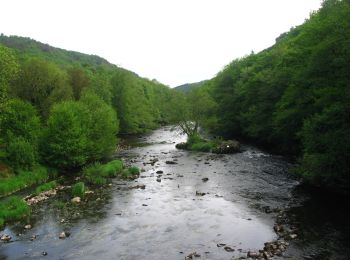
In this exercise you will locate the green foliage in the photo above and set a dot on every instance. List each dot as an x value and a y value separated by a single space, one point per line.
20 131
94 174
97 173
45 187
102 126
294 96
43 84
14 209
22 180
78 189
134 170
112 169
2 222
19 119
201 147
78 81
65 142
8 72
21 154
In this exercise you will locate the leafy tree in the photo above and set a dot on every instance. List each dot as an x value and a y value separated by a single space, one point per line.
102 127
20 132
65 143
42 84
78 81
8 71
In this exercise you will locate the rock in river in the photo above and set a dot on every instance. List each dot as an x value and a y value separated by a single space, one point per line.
27 227
5 238
76 200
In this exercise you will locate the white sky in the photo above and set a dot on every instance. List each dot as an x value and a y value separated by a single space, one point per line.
173 41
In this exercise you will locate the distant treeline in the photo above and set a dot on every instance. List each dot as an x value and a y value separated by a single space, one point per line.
65 109
295 96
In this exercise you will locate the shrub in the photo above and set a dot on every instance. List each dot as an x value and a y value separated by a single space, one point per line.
45 187
134 170
21 154
78 189
13 209
201 147
93 174
112 169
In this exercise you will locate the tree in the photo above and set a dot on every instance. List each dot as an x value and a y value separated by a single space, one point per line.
8 72
78 81
195 109
20 131
42 84
102 125
65 143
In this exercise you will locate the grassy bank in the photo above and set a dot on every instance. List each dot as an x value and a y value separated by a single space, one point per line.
97 174
23 180
13 209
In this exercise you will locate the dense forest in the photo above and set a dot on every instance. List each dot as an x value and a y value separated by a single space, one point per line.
64 109
294 97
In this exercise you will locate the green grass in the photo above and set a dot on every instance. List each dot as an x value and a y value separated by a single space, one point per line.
78 189
112 169
134 170
22 180
201 147
2 222
45 187
13 209
97 173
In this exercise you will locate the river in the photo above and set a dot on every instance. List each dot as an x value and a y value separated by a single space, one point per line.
180 212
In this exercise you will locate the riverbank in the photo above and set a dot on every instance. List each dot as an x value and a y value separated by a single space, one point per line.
184 202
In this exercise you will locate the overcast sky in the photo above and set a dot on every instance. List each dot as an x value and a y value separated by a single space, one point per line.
173 41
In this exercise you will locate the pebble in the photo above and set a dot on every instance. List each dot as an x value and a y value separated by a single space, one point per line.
27 227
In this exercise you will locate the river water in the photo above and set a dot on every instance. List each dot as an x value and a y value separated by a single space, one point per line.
238 206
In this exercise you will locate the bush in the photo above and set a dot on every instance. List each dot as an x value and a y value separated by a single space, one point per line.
45 187
22 180
134 170
13 209
194 139
112 169
78 189
94 174
201 147
21 154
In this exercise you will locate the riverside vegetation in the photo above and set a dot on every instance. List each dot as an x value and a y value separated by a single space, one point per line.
293 98
61 111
